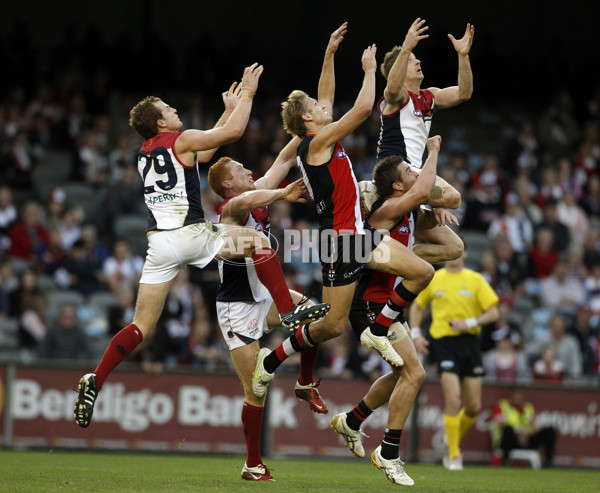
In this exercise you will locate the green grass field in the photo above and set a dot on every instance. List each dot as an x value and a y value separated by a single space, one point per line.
57 471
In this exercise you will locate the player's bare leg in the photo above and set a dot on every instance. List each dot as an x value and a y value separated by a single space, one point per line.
306 387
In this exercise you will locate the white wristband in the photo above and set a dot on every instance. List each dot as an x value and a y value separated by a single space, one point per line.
471 322
415 332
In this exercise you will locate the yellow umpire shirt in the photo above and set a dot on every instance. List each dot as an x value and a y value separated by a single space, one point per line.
453 296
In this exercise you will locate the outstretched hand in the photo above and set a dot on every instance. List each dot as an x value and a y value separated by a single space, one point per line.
250 79
463 45
232 96
444 216
294 192
368 59
415 34
337 37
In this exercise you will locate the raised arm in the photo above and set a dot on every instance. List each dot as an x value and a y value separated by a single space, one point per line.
230 100
281 166
396 207
326 93
254 199
395 93
233 129
451 96
361 110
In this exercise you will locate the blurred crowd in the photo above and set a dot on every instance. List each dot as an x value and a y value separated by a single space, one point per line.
530 215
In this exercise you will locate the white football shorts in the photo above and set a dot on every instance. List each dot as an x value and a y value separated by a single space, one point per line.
170 251
243 322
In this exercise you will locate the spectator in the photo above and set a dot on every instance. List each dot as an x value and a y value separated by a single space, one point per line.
591 247
518 230
28 237
506 363
585 329
565 346
523 151
592 288
513 426
524 189
557 126
562 236
570 214
65 339
590 202
548 369
8 285
8 216
561 293
123 268
543 257
120 314
53 256
77 273
69 226
485 205
57 204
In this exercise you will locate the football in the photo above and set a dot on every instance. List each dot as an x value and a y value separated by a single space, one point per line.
368 195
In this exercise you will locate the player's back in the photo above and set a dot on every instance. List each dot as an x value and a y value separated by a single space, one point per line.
171 189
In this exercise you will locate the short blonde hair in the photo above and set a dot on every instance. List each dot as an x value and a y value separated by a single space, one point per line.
218 173
388 60
291 112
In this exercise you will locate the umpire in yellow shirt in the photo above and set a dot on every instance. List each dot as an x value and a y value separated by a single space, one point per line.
461 301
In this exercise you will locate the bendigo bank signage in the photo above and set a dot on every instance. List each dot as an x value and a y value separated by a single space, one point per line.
201 413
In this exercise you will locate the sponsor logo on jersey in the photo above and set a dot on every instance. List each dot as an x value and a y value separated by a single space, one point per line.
164 197
425 114
404 229
331 275
466 292
478 370
446 364
320 207
341 154
439 293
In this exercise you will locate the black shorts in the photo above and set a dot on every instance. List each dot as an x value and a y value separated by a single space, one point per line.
363 313
343 257
458 354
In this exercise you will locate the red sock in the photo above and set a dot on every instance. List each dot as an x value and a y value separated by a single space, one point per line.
308 357
268 270
252 421
120 346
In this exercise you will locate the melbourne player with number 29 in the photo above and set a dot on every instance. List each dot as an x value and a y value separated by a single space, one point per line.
178 234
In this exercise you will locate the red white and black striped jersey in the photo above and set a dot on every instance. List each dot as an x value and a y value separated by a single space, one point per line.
171 189
377 286
333 188
405 132
239 281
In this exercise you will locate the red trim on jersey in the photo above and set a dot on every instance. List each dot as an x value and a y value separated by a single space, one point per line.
380 107
344 195
426 96
167 140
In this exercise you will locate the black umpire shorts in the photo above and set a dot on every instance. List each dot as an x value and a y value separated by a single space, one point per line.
458 354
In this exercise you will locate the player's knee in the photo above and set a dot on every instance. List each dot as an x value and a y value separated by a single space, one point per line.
472 409
425 274
419 375
455 249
